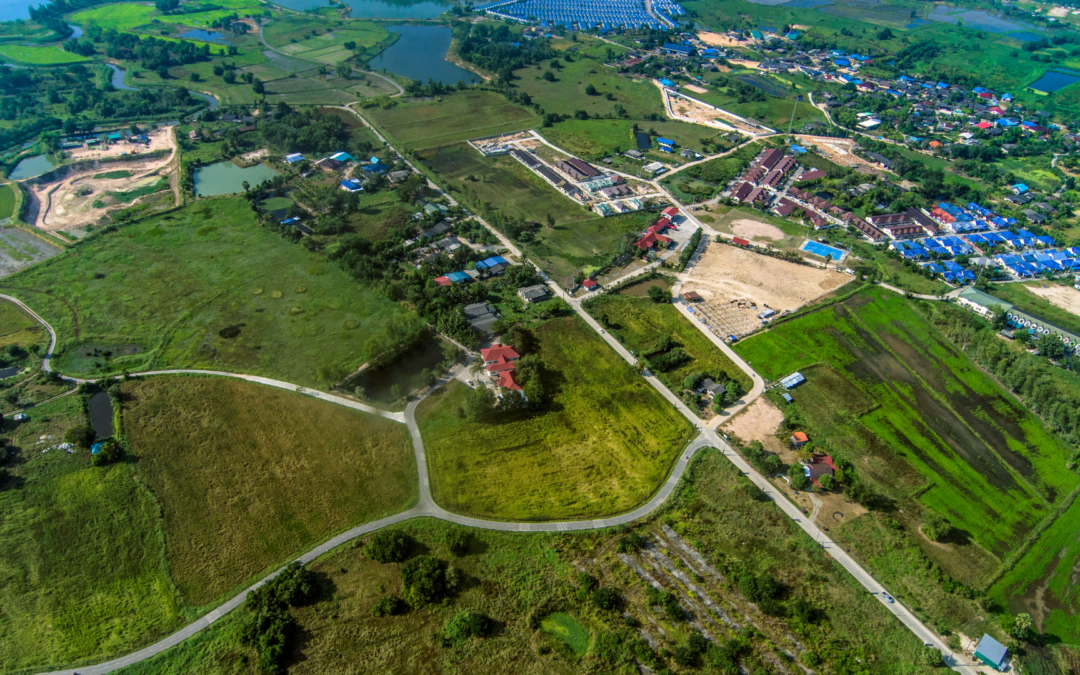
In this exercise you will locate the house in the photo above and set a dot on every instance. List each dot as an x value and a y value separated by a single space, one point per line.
666 143
671 212
294 158
633 154
711 389
799 439
374 164
480 315
813 175
351 185
590 284
343 157
692 296
506 381
194 135
654 168
536 293
818 466
577 169
499 358
651 241
677 50
329 164
1019 188
398 176
991 652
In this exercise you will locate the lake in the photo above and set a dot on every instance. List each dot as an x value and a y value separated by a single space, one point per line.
420 54
225 178
32 166
205 36
401 9
1052 81
101 415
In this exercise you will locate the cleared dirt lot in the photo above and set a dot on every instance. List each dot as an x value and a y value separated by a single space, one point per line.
840 151
160 139
718 39
1065 297
728 273
750 229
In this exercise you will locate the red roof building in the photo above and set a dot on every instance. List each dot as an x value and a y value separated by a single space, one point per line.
813 175
996 110
984 125
507 381
739 241
591 283
671 212
648 242
444 281
499 358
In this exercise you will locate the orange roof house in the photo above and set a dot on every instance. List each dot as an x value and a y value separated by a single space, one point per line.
499 358
799 439
935 144
507 381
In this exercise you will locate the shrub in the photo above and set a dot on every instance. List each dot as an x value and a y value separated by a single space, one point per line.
389 546
387 606
827 482
799 479
465 625
81 436
632 542
110 452
424 580
936 527
457 542
606 598
271 626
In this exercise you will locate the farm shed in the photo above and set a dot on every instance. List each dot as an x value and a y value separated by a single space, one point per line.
792 381
991 652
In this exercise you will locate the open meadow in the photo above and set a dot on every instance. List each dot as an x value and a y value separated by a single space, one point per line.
889 392
604 444
248 475
205 287
1053 302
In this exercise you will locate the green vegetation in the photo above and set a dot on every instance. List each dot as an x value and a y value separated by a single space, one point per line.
645 326
1021 296
566 630
45 55
599 138
19 328
704 181
248 475
325 41
215 291
7 201
121 17
602 446
81 553
456 117
922 420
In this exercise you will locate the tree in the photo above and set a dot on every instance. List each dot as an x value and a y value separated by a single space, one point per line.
343 70
885 34
799 479
1000 320
828 483
465 625
581 115
606 597
936 527
457 541
658 295
1023 627
388 546
423 580
930 657
257 86
1051 346
81 436
194 77
591 91
387 606
549 76
110 452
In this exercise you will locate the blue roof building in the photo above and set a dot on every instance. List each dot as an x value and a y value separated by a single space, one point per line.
341 157
294 158
682 50
491 262
375 165
667 83
841 63
991 652
351 185
666 141
95 448
458 277
710 52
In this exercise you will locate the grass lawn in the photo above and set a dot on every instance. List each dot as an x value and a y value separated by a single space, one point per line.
596 139
704 181
579 239
528 584
918 416
161 292
1018 294
38 56
248 476
7 201
450 119
80 552
774 111
639 323
1034 171
603 447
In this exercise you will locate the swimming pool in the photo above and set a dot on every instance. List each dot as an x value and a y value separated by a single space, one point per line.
817 248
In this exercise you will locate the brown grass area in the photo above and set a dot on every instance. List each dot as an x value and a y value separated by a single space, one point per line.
1065 297
248 476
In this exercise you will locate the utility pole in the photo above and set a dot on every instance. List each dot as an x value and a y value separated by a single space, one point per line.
792 122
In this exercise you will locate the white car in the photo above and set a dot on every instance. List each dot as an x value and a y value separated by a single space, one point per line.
887 597
601 331
470 383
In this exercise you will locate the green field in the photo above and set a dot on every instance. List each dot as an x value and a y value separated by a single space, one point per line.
1020 296
122 16
900 398
580 238
19 328
529 585
80 552
605 444
775 112
162 292
640 323
7 201
451 119
595 139
248 475
704 181
294 36
38 56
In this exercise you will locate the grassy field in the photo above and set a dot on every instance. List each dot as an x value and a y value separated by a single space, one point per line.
566 95
921 418
324 40
19 328
639 323
80 552
7 201
249 475
704 181
1024 300
775 112
527 583
121 17
160 293
595 139
579 239
604 445
38 56
460 116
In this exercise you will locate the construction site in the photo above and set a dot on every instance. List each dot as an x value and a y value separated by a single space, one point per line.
741 290
79 194
840 151
685 109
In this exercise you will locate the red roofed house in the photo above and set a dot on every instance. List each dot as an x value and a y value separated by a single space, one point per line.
444 281
818 466
996 110
590 284
507 381
985 94
660 226
984 125
650 241
498 358
740 241
671 212
799 439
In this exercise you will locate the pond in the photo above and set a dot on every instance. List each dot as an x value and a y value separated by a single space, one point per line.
32 166
641 289
226 178
406 374
117 78
396 9
420 54
205 36
101 415
976 19
1052 81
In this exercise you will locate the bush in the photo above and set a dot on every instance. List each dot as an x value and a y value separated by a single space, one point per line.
828 483
271 626
668 602
388 546
606 598
457 542
388 606
110 452
632 542
80 436
799 479
424 580
936 527
465 625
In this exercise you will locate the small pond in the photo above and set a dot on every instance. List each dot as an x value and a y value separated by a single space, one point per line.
405 373
395 9
1052 81
641 289
10 371
420 54
32 166
225 178
205 36
101 415
117 79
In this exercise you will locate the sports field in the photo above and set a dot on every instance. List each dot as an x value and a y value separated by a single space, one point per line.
38 56
248 476
422 125
919 416
605 444
205 287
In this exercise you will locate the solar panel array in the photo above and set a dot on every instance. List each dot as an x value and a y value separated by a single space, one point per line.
588 14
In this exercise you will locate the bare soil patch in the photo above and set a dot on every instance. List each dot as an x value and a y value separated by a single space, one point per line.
751 229
160 139
1065 297
697 89
760 419
840 151
717 39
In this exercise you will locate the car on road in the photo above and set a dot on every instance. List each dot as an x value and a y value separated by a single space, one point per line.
601 331
470 383
887 597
